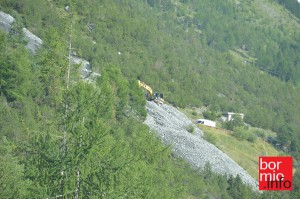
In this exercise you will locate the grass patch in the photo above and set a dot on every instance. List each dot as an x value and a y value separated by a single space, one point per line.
245 153
210 137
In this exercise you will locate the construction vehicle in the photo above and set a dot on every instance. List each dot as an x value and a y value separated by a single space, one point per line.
150 95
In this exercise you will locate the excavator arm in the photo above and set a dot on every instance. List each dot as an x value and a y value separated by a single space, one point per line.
146 87
158 98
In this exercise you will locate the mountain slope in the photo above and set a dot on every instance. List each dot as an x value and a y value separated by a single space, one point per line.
164 46
87 141
226 55
84 139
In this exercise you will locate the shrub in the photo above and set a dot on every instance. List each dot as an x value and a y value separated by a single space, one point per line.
210 115
239 133
235 122
194 113
251 137
243 134
211 138
260 133
190 128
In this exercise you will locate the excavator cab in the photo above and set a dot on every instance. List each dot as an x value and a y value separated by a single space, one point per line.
158 98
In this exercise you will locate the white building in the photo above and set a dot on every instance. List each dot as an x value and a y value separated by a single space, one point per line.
228 116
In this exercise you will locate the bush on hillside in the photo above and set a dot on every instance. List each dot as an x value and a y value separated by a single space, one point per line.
243 134
235 122
211 138
190 128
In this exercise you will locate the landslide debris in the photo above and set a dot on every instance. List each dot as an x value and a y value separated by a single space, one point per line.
171 127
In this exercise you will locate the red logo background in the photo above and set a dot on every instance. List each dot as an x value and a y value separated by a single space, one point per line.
275 173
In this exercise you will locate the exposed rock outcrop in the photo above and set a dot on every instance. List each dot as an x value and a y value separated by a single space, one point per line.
34 42
6 21
85 69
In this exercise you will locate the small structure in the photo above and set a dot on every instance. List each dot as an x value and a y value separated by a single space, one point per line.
228 116
206 122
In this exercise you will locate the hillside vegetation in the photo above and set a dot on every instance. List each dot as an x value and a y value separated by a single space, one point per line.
243 151
230 55
164 43
292 5
88 140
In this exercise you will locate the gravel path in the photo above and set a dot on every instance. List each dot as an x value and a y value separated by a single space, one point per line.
170 125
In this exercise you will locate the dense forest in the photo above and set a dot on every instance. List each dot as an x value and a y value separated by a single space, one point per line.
88 140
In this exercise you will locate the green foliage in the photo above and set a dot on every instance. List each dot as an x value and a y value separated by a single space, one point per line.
119 88
260 134
194 113
291 5
9 125
159 50
235 122
43 165
181 49
237 189
239 133
296 181
13 184
137 100
52 66
242 133
210 137
190 128
210 115
251 137
15 70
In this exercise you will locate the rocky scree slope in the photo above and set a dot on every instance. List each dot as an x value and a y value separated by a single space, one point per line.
170 126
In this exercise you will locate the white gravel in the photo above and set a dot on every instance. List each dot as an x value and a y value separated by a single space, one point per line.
170 125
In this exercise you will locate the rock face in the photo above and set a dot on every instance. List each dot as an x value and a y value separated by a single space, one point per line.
6 21
85 69
34 42
170 125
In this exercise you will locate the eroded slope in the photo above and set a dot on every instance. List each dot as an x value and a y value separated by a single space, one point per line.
170 125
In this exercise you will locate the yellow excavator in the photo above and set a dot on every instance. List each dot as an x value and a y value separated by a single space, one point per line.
150 95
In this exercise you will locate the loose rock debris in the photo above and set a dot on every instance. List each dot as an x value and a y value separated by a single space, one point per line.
170 126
